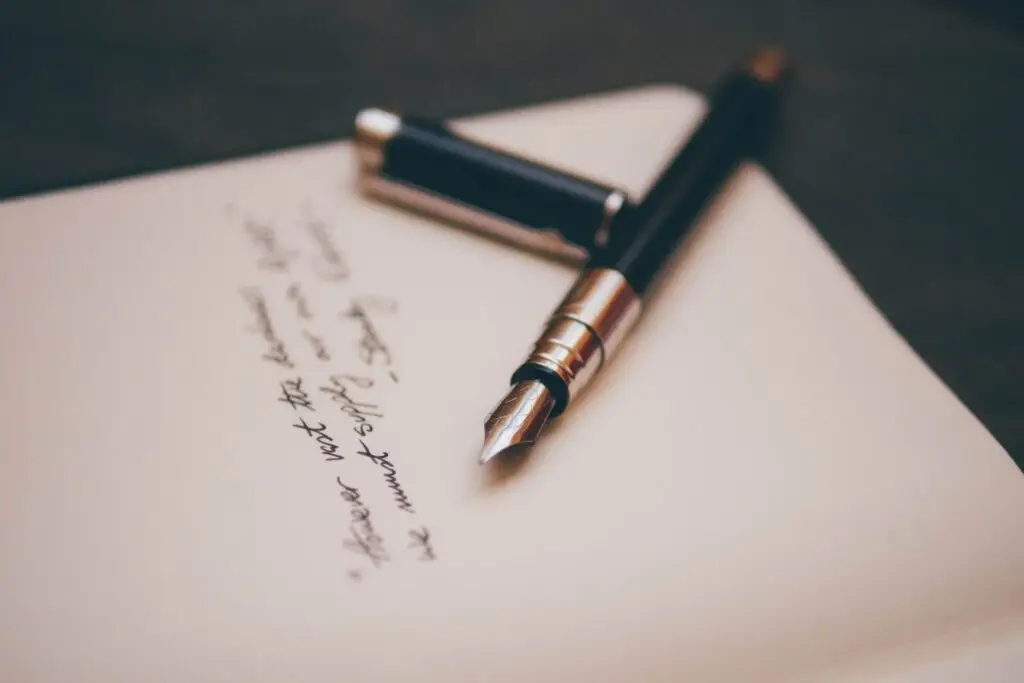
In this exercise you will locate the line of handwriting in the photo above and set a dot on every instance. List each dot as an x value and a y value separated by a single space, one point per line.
294 395
298 298
317 343
365 540
328 446
330 263
273 256
276 352
372 349
382 460
362 413
420 540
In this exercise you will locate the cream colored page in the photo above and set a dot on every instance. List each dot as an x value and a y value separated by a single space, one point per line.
766 485
992 652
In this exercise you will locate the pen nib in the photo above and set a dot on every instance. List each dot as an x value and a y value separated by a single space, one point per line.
518 419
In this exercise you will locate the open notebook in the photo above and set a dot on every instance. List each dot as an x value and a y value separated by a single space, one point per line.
242 407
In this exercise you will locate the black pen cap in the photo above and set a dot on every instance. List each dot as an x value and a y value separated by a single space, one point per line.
425 165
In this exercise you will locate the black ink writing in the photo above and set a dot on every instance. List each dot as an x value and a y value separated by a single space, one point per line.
299 262
326 442
296 296
273 256
361 412
319 348
294 395
330 263
364 538
372 350
354 380
264 326
391 477
419 539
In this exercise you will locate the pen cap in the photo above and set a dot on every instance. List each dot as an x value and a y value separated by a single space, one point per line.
425 165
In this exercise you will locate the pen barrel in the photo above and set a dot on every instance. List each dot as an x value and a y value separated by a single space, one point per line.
426 166
739 116
581 335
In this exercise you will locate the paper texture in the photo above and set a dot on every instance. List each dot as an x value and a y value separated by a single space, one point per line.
242 407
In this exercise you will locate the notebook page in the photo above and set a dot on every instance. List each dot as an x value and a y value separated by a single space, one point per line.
991 653
242 407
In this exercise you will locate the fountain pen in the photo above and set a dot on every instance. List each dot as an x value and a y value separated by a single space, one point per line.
603 305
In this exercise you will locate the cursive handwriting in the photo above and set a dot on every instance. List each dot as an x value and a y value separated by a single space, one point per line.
319 348
273 256
372 350
330 263
296 296
326 442
257 304
420 539
361 412
365 539
391 477
296 318
294 395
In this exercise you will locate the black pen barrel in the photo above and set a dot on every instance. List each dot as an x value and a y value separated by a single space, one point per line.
740 114
605 302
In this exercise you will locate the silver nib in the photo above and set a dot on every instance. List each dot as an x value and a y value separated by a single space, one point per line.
518 419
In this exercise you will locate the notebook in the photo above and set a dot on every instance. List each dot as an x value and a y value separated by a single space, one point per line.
242 406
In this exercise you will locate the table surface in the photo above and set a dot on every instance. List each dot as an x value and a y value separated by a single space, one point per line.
903 139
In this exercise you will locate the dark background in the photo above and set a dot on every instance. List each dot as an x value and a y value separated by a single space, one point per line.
903 140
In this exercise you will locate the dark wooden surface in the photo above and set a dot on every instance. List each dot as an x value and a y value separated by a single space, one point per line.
904 137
